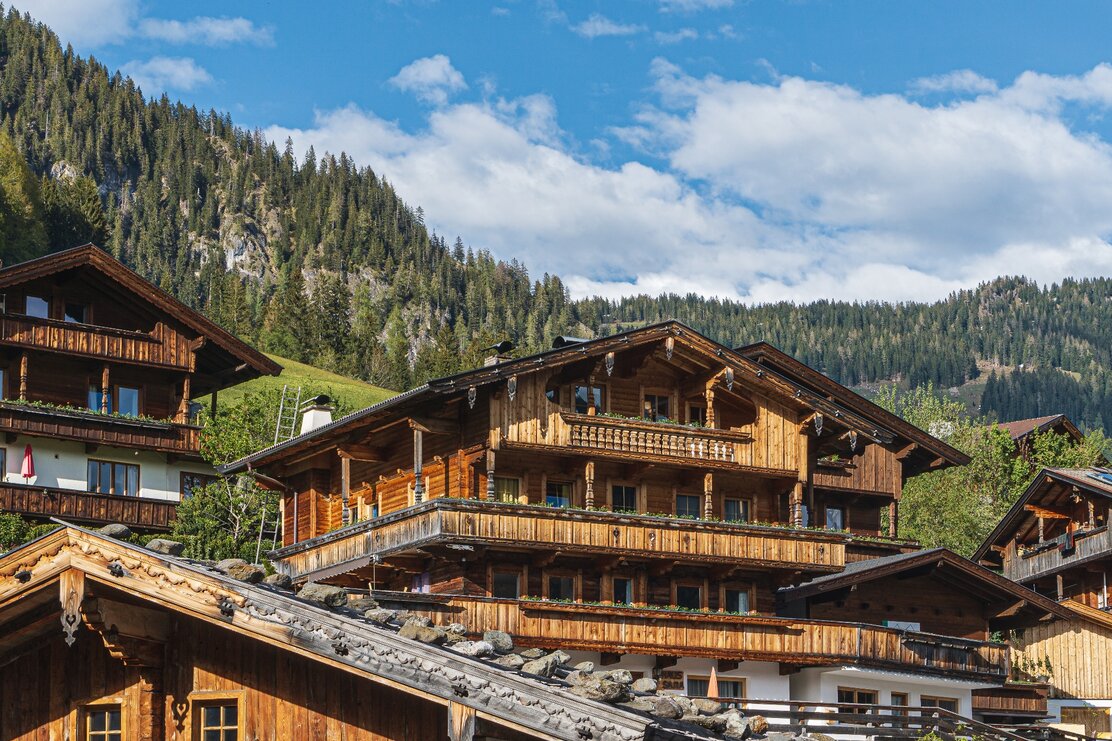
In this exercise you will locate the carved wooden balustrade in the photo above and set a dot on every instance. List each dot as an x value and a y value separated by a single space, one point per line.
620 629
161 347
493 524
641 437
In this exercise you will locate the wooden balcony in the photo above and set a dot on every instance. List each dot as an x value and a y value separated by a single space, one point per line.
1012 700
571 626
162 347
515 526
641 438
99 429
1050 558
86 507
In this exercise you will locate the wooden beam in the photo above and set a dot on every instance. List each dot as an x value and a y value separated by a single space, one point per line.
418 462
589 479
362 453
23 377
433 426
609 657
727 665
1045 513
906 450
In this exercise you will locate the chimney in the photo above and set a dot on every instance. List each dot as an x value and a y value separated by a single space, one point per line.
316 413
495 360
501 354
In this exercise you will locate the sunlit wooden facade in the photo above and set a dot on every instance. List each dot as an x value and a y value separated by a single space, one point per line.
97 372
647 496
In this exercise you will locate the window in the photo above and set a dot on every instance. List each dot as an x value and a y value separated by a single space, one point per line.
506 489
97 400
835 518
561 587
553 395
697 415
687 505
582 399
218 721
3 464
127 401
623 591
104 723
37 307
736 510
191 483
735 600
557 494
656 407
700 686
75 313
505 584
852 696
946 703
113 478
623 498
689 596
899 699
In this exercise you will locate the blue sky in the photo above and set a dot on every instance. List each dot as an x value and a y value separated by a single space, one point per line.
757 150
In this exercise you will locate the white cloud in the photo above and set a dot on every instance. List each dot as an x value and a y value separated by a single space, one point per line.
691 6
792 189
958 81
598 25
675 37
431 79
85 22
206 30
159 74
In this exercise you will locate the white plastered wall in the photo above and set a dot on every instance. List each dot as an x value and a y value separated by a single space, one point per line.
63 464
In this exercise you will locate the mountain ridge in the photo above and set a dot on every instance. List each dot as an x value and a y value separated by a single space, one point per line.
321 261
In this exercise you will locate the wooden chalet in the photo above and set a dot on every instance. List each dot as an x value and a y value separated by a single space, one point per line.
639 498
1023 430
103 640
1055 541
97 371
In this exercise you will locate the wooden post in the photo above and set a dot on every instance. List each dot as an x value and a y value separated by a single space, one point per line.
708 495
490 475
803 456
591 408
589 476
1061 587
345 477
1042 530
893 518
212 407
23 377
418 478
148 682
183 408
796 508
1092 514
461 722
105 390
709 396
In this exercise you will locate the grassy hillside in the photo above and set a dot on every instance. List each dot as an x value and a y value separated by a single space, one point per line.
350 394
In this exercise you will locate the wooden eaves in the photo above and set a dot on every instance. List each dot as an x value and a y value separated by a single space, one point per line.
870 426
969 575
92 256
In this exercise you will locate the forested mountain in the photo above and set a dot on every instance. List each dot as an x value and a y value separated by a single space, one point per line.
320 260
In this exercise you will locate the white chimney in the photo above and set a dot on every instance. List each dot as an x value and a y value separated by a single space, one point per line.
317 413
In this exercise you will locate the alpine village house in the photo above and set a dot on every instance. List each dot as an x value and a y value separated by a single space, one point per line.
657 502
97 371
1055 541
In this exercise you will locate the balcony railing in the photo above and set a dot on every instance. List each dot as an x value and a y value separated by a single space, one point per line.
469 521
619 629
1052 557
100 429
161 347
1012 699
643 438
86 507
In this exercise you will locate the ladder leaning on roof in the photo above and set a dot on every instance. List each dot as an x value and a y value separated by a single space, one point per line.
288 408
